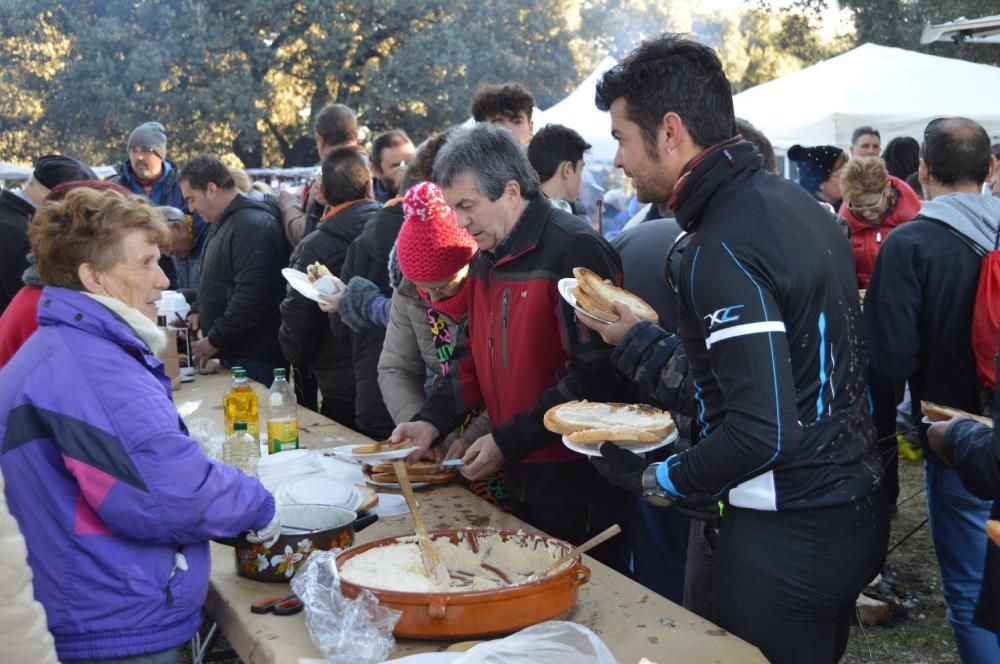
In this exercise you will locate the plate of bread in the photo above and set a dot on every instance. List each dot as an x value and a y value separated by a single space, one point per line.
590 295
315 281
586 425
370 452
421 473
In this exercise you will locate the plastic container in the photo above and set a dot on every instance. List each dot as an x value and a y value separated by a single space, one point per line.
241 450
282 421
240 404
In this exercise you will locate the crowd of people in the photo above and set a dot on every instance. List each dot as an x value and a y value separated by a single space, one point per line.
768 516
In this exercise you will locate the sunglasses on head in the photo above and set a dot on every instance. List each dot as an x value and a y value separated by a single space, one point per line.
875 207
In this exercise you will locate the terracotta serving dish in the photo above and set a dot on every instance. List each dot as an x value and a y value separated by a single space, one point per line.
478 613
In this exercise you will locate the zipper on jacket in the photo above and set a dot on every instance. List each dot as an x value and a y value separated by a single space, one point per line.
504 355
492 344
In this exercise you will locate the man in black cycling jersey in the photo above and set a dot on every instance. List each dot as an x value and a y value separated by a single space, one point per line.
771 325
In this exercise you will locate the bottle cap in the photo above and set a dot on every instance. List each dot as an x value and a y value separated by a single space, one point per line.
239 372
280 372
239 426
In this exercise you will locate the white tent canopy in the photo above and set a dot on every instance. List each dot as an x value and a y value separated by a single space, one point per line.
985 30
577 111
892 89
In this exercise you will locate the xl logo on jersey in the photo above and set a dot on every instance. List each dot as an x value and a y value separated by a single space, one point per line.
724 315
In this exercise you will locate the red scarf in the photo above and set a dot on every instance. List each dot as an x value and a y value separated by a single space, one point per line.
454 307
145 184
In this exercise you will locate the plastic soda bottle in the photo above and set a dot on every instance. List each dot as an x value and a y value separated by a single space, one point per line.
282 422
240 404
241 450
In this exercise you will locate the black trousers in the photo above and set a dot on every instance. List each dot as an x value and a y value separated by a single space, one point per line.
340 411
787 581
578 523
885 398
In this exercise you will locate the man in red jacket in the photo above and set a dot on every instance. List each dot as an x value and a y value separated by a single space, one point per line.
523 350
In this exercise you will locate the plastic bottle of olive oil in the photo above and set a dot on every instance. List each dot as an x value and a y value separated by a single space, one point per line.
240 404
282 421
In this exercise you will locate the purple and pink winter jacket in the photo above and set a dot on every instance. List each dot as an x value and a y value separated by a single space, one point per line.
109 488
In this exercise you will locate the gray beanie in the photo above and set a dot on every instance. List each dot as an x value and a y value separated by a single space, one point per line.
150 135
170 213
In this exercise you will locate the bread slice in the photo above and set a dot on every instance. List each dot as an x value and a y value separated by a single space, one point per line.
993 531
430 478
382 447
414 469
623 435
595 307
939 413
316 271
585 421
607 294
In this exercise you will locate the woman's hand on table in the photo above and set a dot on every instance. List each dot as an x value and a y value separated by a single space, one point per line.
482 458
421 435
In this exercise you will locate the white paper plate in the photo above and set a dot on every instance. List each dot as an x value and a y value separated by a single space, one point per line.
391 504
394 485
288 458
347 452
300 282
431 658
566 287
320 490
591 450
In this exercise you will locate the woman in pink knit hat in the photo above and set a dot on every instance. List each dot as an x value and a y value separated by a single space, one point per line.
428 307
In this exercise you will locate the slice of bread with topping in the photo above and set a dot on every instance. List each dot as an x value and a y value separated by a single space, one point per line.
595 422
938 413
606 295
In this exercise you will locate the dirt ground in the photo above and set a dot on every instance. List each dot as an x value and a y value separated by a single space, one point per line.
922 635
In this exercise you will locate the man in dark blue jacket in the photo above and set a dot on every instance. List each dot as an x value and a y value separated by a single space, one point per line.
148 173
241 286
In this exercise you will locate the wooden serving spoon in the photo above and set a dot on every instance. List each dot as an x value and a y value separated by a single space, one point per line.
436 569
599 538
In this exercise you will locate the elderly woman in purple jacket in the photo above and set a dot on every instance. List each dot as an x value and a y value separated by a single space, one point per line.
115 500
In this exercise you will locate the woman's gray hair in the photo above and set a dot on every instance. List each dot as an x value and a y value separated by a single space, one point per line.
488 153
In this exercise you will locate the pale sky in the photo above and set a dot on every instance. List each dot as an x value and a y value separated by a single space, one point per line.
835 19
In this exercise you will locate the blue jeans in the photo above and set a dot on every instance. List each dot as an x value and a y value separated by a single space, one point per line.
958 529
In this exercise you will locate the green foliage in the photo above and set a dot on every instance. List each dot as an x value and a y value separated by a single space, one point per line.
244 79
247 76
